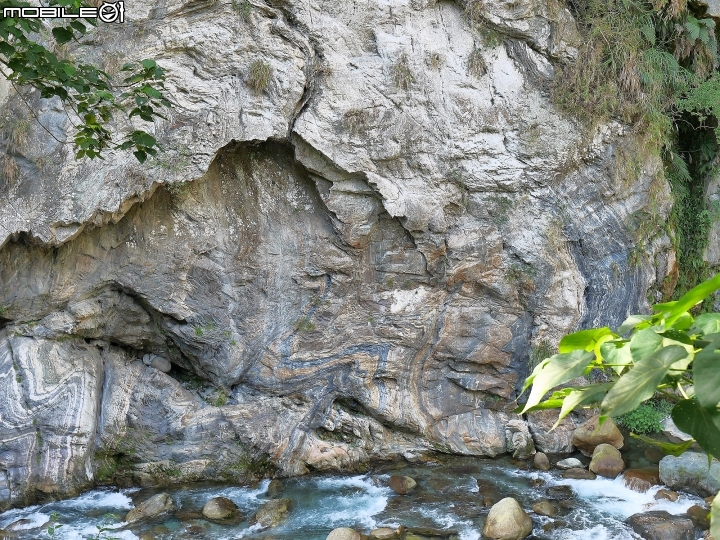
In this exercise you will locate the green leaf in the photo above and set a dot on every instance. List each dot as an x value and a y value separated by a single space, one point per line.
707 323
584 339
148 64
644 343
706 376
582 396
62 35
715 517
632 321
553 371
140 155
671 311
78 26
639 384
703 424
671 449
618 357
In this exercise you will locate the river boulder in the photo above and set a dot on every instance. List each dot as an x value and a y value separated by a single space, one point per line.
384 533
220 508
591 434
344 533
273 513
569 463
579 474
541 461
690 472
606 461
641 480
661 525
402 485
507 521
156 505
275 487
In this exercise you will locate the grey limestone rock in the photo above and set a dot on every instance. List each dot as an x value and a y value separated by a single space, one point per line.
690 472
354 261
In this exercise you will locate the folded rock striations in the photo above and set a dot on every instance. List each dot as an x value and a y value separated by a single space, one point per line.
352 263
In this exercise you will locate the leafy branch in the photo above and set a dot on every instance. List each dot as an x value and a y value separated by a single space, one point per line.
86 90
670 352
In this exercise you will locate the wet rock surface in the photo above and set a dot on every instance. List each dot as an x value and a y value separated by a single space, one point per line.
591 434
153 507
661 525
606 461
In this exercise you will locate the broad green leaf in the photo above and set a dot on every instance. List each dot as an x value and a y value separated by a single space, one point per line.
671 311
553 371
644 343
584 339
62 35
148 64
706 376
618 357
681 323
701 423
715 517
632 321
640 382
581 396
555 401
707 323
671 449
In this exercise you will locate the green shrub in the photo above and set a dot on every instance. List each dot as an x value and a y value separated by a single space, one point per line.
646 418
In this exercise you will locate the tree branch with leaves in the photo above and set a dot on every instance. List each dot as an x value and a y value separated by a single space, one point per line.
89 92
670 351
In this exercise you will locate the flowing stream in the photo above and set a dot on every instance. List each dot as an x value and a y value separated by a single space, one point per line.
449 497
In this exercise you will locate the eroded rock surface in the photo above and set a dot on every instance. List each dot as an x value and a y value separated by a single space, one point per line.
353 263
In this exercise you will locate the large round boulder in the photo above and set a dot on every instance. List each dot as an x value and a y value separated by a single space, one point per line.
343 533
541 461
591 434
507 521
661 525
690 472
220 508
273 513
156 505
402 485
606 461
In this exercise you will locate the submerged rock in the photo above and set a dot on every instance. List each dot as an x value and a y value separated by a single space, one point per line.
641 480
156 505
275 487
507 521
560 492
273 513
544 508
591 434
402 485
579 474
220 508
666 494
606 461
661 525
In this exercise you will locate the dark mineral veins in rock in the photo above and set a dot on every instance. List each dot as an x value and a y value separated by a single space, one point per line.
336 269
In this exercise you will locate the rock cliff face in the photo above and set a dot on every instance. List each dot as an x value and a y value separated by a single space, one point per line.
352 263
